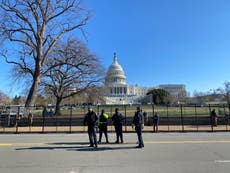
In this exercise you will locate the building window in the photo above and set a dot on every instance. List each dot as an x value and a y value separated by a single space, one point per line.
125 90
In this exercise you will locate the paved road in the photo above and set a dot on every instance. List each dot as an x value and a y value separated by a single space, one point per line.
69 153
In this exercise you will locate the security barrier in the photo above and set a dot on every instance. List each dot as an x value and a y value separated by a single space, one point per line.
180 118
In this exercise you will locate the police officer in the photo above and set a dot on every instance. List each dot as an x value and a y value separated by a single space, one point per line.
138 122
91 120
117 119
102 124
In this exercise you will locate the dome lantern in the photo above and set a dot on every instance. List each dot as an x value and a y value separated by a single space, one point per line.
115 58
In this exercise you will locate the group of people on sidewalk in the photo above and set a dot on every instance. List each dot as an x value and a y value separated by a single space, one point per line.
92 120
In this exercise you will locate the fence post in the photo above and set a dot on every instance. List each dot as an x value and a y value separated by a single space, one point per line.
228 113
196 118
16 120
218 114
70 119
182 120
125 120
3 119
43 120
168 115
225 118
56 119
30 117
211 123
153 109
111 113
2 124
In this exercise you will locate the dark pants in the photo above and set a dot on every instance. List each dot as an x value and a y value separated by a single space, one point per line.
92 135
103 129
214 121
119 133
155 127
139 135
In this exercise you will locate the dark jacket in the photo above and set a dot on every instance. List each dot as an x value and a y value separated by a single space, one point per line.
91 119
138 119
117 119
213 114
156 119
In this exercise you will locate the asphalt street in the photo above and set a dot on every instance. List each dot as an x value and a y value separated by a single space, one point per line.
69 153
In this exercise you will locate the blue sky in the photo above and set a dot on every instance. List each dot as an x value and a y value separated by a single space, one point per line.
160 41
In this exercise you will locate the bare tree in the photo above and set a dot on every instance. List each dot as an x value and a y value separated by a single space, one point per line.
77 71
95 95
41 100
199 96
225 92
18 100
4 98
34 27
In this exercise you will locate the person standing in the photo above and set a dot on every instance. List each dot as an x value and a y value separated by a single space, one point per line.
44 112
91 119
138 122
146 119
117 119
213 118
102 124
155 122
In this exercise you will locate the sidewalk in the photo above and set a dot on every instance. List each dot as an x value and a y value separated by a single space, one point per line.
82 129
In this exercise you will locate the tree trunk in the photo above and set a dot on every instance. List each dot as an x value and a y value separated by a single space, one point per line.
30 100
57 106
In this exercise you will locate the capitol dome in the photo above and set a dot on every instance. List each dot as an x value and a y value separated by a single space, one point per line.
115 73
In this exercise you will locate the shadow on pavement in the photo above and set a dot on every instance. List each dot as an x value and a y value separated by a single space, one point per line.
69 143
78 146
83 143
49 148
102 148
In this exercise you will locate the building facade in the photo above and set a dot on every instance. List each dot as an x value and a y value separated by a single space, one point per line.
117 91
178 91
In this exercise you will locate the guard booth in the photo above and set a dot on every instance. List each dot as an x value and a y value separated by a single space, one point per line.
9 115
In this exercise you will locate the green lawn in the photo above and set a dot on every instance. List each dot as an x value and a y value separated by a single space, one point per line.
129 110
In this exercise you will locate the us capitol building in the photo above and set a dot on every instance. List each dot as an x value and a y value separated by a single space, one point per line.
118 92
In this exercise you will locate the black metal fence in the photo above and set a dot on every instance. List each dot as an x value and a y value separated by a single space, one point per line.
180 118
